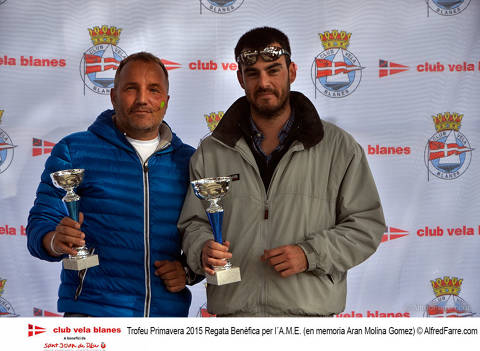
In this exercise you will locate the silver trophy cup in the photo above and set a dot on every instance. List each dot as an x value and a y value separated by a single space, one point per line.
212 190
68 180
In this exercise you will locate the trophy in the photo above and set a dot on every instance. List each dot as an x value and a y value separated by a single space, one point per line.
212 190
68 180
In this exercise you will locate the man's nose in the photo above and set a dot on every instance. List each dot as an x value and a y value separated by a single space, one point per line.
263 80
141 96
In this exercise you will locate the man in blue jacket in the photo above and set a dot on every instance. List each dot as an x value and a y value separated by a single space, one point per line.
136 177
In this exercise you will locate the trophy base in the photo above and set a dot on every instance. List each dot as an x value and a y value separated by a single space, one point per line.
224 276
77 264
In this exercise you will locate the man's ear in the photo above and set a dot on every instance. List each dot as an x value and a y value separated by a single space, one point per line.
292 72
240 78
112 97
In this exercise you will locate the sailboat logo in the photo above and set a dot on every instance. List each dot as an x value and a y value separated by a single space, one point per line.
336 72
447 7
100 62
6 148
448 152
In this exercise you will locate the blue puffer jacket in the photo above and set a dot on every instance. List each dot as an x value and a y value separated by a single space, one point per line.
131 211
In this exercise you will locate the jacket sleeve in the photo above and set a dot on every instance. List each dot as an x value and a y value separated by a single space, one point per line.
193 223
359 225
48 209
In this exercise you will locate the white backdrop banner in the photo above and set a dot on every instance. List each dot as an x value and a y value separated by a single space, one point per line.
401 76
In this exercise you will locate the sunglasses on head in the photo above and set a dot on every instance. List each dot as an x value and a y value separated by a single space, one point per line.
270 53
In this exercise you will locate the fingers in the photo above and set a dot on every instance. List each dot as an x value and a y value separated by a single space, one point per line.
64 248
172 274
287 260
68 236
288 273
175 285
273 252
165 267
214 254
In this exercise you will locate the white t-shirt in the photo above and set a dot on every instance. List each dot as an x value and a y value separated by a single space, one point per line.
145 148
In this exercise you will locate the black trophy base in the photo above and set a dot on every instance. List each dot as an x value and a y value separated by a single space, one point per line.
224 276
77 264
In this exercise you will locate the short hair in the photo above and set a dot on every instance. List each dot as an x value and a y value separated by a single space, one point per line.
140 56
259 38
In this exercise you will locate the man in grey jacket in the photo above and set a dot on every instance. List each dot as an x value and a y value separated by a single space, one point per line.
303 208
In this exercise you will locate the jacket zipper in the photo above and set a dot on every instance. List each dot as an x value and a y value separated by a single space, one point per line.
146 206
266 214
146 226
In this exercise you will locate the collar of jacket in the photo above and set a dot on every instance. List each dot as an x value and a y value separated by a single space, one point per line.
308 127
105 128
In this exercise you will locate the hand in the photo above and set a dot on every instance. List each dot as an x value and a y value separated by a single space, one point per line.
287 260
66 236
214 254
172 273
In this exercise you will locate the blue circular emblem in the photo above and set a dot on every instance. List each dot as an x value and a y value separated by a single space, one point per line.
98 66
221 6
447 154
336 72
448 7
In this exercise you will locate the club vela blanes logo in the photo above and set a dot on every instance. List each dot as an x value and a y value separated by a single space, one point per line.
99 62
220 6
447 303
336 72
6 309
6 148
447 7
448 152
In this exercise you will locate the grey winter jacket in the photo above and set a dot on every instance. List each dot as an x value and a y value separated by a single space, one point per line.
322 197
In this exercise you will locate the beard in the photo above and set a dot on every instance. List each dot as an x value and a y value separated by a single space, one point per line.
267 111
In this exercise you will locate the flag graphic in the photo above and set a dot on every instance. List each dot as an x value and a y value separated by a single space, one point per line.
96 63
328 68
388 68
40 147
4 146
38 312
35 330
393 233
170 64
441 150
